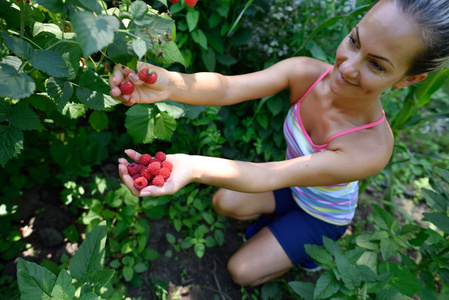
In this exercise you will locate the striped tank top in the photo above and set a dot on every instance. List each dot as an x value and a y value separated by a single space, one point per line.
334 204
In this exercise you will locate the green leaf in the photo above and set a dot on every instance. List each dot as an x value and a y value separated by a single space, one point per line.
348 272
219 237
369 259
70 53
92 5
388 248
49 62
384 219
402 279
17 46
435 200
192 18
170 55
63 288
172 108
199 250
364 240
5 110
13 84
426 88
438 219
444 173
98 120
326 286
319 254
332 246
128 273
55 6
164 127
140 123
24 118
100 278
60 91
39 27
138 10
200 38
303 289
140 267
90 255
209 60
11 143
94 32
93 91
140 47
35 282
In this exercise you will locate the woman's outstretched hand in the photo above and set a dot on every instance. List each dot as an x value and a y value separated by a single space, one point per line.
181 175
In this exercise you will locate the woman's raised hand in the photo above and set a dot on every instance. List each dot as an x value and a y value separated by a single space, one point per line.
144 91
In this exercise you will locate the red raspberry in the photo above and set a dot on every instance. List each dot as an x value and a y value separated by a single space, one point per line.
135 176
147 174
167 164
154 168
190 3
160 156
145 159
174 1
158 180
127 87
133 169
147 77
165 172
141 168
140 183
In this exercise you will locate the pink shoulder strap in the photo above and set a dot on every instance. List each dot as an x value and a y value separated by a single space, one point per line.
315 83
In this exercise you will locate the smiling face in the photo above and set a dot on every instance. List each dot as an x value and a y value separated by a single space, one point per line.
377 53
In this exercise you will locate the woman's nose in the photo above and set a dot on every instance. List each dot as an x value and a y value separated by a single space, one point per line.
351 67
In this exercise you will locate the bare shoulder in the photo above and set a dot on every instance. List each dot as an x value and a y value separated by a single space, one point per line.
370 149
302 73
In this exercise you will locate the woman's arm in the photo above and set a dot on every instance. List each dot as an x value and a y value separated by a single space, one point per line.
352 158
209 89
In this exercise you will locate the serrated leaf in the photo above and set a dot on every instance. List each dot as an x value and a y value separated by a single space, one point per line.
402 279
17 46
139 47
13 84
100 278
24 118
94 32
92 5
90 98
164 127
384 219
444 173
49 62
55 6
63 288
369 259
140 123
319 254
90 255
348 272
138 10
70 53
98 120
332 246
171 54
326 286
171 108
60 91
74 110
364 240
388 248
39 27
5 110
35 282
439 220
303 289
89 296
11 143
200 38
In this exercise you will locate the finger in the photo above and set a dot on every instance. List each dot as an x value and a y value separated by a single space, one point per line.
127 179
134 155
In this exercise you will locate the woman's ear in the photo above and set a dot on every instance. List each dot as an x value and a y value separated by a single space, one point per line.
410 80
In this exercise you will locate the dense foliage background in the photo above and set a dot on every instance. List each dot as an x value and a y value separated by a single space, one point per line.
61 134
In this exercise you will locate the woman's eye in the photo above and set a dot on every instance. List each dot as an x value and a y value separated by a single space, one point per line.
352 40
377 66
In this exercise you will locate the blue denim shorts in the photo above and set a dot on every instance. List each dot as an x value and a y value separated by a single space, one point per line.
294 228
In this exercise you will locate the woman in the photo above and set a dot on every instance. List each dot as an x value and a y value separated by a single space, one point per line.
335 130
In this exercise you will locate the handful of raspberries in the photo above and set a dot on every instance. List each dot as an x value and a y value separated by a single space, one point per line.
150 170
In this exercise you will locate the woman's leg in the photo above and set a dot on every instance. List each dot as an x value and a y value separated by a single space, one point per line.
259 260
243 206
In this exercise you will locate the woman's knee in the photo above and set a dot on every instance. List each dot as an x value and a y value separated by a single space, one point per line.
223 203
